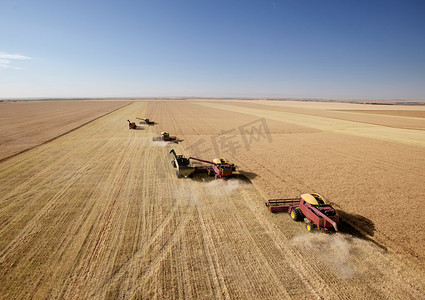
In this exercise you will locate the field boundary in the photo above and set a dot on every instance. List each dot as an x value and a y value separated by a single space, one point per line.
62 134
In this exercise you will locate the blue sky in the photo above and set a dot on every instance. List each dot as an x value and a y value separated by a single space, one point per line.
314 49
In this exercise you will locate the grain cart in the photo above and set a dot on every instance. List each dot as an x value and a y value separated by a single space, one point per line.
131 125
219 168
165 136
312 208
146 121
183 165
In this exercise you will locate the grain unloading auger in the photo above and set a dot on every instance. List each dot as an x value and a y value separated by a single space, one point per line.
312 208
218 168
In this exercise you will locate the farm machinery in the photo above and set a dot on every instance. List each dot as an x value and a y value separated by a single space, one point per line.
219 168
145 121
312 208
131 125
165 136
183 165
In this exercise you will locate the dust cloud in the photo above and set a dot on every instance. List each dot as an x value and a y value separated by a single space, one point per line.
220 187
160 143
335 251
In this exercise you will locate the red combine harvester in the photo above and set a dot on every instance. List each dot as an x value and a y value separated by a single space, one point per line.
313 208
218 168
131 125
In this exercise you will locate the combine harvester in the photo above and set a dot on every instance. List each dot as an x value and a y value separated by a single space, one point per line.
312 208
165 136
145 121
131 125
218 168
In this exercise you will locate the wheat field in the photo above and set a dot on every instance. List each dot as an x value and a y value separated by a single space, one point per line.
99 213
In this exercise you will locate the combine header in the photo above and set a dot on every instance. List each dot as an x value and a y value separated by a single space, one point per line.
145 121
165 136
313 208
218 168
131 125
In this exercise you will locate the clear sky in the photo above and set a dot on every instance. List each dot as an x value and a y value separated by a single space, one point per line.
299 48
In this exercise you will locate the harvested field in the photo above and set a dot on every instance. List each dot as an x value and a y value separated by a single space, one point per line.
26 124
101 214
403 113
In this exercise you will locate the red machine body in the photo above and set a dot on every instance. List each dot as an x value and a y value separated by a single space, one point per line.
218 168
313 208
131 125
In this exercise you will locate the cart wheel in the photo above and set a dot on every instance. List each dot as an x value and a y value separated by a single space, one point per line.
296 214
178 174
309 226
173 163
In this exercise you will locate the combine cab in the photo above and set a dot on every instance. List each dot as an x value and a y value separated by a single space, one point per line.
131 125
183 165
165 136
312 208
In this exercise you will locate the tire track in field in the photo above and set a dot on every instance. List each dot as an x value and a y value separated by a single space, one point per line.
120 183
216 273
154 265
25 190
151 245
65 190
33 227
153 241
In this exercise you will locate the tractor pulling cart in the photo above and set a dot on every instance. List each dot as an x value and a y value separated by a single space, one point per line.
165 136
313 208
218 168
145 121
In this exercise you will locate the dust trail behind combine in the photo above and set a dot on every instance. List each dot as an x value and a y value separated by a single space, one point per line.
221 188
101 214
336 252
